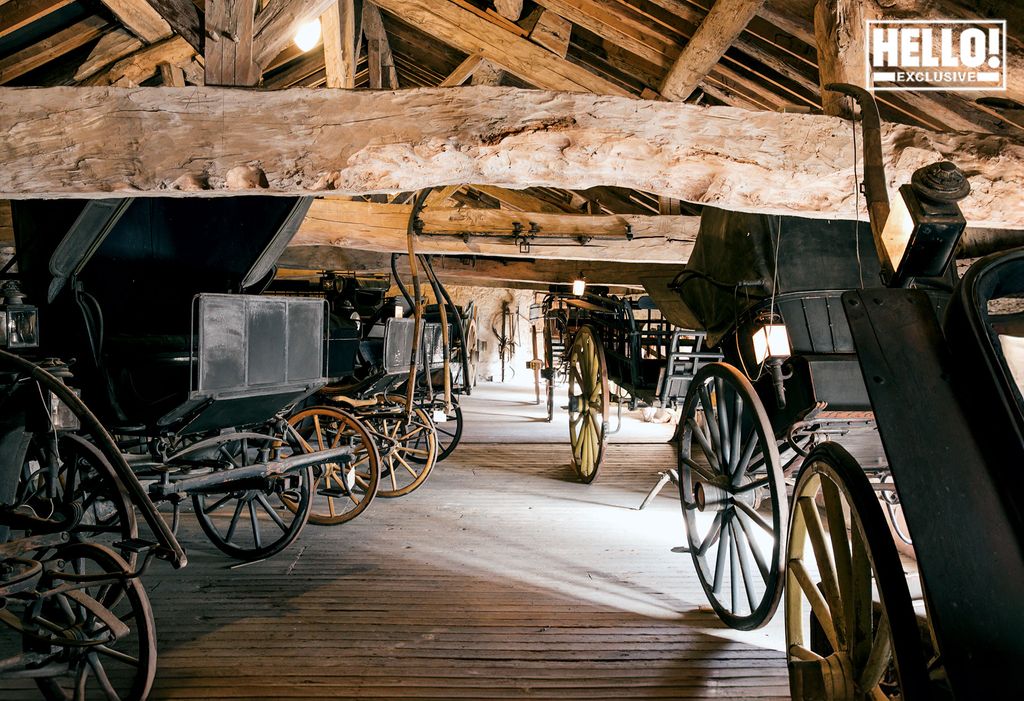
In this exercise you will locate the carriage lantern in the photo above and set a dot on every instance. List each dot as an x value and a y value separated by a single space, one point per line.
579 286
19 322
925 223
771 342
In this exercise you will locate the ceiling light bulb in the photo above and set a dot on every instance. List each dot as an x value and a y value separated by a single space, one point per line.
308 35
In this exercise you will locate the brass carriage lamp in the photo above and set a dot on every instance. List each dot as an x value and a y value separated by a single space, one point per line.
771 342
925 223
579 286
19 322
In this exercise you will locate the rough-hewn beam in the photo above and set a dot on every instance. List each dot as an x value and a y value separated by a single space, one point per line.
277 22
184 18
509 9
111 47
139 17
462 71
842 49
715 34
380 62
15 14
53 46
339 30
63 142
472 34
467 268
229 43
382 227
144 64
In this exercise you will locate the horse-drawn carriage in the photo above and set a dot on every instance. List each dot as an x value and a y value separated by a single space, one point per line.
616 349
816 355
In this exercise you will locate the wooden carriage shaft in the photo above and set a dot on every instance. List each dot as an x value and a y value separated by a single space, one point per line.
98 142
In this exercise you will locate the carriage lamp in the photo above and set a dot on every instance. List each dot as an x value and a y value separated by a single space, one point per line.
579 286
19 322
925 223
771 341
308 35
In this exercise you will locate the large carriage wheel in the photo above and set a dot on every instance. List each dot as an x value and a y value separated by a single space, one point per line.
343 490
86 481
733 496
400 440
103 633
851 630
252 522
448 432
588 403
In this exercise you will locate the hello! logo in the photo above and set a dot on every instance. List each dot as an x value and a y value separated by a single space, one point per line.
936 55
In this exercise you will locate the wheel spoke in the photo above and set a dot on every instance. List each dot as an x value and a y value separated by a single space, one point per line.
860 609
121 657
725 442
723 549
826 568
709 452
751 486
234 520
833 506
802 653
255 522
710 419
878 659
102 678
749 512
734 573
755 549
217 504
816 600
712 536
742 551
743 464
737 429
270 512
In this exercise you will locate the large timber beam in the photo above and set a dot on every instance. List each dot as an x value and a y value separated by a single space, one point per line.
370 226
470 268
723 24
841 33
97 142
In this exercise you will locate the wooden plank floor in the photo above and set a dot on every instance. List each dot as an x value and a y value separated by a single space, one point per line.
501 578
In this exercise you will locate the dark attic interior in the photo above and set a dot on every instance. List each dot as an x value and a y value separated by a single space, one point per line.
511 349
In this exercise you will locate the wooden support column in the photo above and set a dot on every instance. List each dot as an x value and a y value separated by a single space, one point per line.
840 33
172 76
338 23
715 34
383 75
229 43
94 142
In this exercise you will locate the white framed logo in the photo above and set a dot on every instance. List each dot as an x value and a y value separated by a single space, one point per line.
936 54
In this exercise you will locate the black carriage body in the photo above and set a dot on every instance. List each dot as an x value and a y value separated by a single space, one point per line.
739 259
147 295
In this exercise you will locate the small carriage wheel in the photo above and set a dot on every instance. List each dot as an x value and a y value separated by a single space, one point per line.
850 621
473 354
86 481
733 496
588 403
99 661
400 440
342 490
252 522
449 433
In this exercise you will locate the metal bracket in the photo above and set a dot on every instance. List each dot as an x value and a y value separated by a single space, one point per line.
584 240
417 225
629 231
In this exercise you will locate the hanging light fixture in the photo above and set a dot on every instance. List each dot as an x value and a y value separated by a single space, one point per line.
308 35
579 286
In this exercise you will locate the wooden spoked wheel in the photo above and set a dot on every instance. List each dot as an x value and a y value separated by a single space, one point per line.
400 439
851 630
588 403
100 633
341 490
254 520
449 433
473 354
733 496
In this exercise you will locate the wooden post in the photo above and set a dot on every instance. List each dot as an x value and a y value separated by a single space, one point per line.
339 31
229 43
839 30
535 364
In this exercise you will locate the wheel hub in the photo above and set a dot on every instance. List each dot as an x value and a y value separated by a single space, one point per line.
828 679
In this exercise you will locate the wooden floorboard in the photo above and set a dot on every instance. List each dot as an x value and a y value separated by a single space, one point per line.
502 577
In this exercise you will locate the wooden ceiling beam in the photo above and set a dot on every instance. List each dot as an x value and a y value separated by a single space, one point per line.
842 47
339 30
144 63
139 17
382 227
463 71
155 140
706 47
470 269
472 34
111 47
16 14
185 19
383 75
52 47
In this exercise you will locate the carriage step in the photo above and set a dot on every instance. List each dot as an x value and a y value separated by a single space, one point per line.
333 493
136 545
